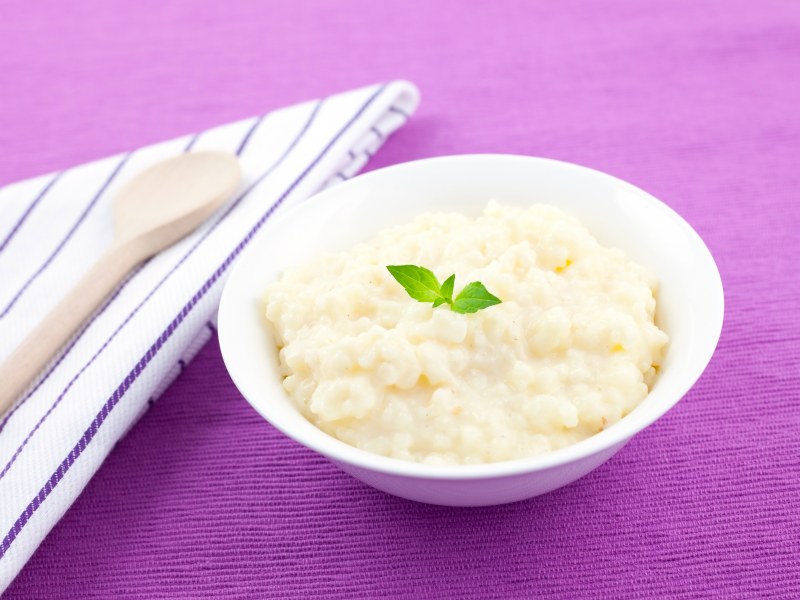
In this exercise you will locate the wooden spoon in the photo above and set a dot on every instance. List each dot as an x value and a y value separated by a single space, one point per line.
152 211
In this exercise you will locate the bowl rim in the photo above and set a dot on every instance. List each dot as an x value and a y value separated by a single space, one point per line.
616 435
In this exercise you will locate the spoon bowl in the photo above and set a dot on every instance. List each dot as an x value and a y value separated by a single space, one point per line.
170 199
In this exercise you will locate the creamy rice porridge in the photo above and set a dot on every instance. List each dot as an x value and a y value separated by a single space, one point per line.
571 349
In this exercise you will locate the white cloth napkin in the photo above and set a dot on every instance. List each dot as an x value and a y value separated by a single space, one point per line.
53 228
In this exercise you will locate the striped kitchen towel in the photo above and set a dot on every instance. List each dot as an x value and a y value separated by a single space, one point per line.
53 228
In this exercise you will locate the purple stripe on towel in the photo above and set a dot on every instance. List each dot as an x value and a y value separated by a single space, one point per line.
192 142
112 401
249 134
191 250
69 235
28 211
399 111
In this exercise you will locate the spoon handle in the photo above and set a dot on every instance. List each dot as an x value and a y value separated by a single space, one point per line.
63 320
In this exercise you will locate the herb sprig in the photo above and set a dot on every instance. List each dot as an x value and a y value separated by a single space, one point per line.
421 284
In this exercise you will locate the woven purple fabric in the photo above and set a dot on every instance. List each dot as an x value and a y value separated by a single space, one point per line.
698 103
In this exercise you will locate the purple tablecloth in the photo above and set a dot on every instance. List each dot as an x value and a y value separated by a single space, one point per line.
697 102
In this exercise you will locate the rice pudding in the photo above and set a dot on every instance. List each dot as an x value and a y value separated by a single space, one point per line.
572 348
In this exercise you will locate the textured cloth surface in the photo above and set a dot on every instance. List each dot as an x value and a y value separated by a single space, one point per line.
696 102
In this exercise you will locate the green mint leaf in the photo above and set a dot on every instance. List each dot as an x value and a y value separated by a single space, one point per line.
473 298
447 289
420 283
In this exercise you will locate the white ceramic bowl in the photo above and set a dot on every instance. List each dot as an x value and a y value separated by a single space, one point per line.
690 305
